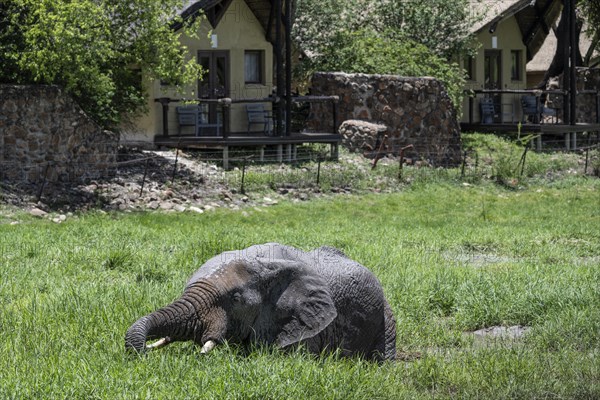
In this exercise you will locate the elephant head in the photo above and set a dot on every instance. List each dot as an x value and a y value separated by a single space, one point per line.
241 299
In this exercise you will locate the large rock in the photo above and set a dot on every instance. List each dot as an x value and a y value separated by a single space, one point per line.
361 136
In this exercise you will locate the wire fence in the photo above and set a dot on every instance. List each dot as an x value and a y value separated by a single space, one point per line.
197 175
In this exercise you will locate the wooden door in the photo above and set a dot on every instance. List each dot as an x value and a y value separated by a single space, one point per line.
493 78
215 81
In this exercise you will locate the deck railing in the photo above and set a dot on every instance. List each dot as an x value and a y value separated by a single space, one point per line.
512 97
282 124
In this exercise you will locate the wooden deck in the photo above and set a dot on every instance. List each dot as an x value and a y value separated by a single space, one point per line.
286 145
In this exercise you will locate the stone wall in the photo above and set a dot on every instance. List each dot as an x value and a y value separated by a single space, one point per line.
416 111
45 136
588 79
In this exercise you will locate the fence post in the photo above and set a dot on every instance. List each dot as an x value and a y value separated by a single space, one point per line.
464 163
410 146
245 160
318 170
242 189
144 177
175 166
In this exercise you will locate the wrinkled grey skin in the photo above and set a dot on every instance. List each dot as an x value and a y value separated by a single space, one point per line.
275 294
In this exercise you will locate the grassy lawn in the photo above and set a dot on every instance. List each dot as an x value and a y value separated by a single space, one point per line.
453 258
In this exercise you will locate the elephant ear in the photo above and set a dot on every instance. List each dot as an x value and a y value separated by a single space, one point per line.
301 305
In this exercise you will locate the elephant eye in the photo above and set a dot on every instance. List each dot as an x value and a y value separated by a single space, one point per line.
236 297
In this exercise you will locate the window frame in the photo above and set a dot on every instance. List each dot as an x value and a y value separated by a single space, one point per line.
261 67
516 71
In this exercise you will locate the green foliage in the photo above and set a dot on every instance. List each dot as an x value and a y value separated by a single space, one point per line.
385 37
509 163
443 26
590 11
95 50
373 53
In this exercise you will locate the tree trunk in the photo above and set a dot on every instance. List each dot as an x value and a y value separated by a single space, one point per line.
557 66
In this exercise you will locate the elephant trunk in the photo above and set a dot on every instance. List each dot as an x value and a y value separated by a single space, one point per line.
176 321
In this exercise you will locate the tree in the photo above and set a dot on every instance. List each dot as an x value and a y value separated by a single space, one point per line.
94 49
385 36
591 10
370 52
440 25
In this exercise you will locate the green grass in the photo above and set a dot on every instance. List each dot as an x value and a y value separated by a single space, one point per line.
452 259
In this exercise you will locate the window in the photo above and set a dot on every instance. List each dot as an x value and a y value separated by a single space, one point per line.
516 73
253 66
469 65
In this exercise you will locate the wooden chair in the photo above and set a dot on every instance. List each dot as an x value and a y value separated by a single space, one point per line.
197 117
534 111
486 107
531 109
257 115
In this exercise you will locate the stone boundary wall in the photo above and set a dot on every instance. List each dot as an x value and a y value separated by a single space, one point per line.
45 136
416 111
587 79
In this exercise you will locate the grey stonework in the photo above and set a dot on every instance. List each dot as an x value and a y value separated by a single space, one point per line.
588 79
44 135
416 111
362 136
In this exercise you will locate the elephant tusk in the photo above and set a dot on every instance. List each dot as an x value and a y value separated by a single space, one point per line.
208 346
159 343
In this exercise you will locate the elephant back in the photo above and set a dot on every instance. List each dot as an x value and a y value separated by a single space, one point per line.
272 251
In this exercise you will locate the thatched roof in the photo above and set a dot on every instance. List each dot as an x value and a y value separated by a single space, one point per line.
534 17
544 56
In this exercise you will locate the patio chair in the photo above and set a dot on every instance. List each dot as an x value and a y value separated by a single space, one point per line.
534 111
486 106
197 117
257 115
187 116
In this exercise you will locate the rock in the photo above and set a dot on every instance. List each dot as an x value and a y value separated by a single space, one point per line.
59 219
196 210
267 201
179 208
153 205
166 205
225 195
303 196
36 212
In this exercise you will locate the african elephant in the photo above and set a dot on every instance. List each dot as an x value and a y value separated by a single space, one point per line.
276 294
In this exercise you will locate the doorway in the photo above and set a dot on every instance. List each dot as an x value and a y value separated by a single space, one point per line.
493 78
214 83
